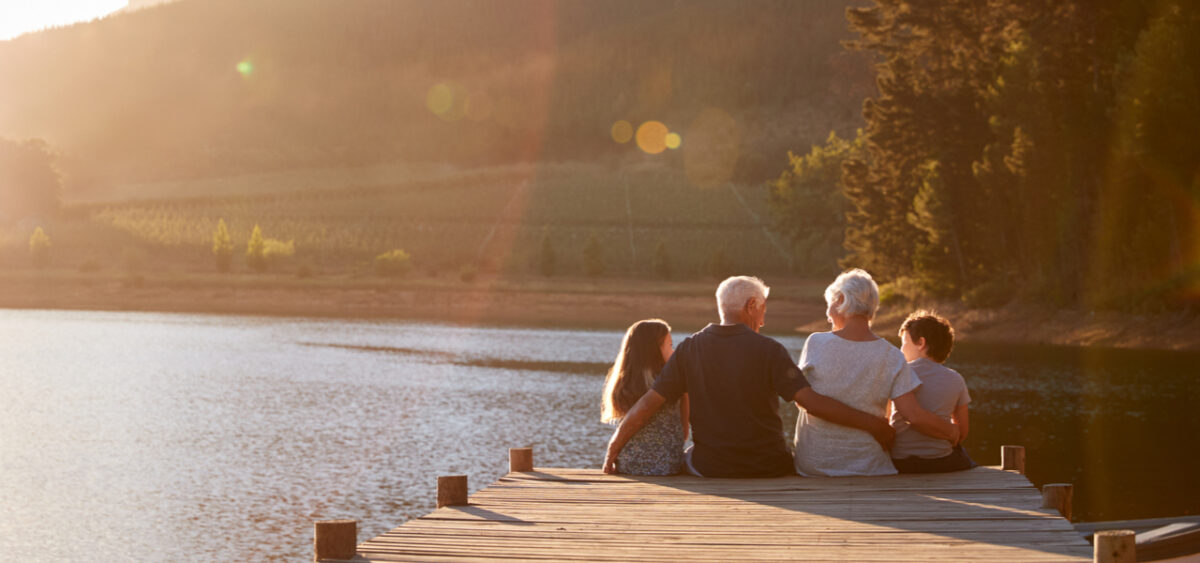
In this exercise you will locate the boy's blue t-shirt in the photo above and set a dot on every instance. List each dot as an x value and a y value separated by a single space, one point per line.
942 390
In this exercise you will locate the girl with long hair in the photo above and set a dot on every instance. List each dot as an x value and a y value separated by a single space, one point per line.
657 449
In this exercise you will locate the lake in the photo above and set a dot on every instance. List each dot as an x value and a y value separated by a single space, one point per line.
134 436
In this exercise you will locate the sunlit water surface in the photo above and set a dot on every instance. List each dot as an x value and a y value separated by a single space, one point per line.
186 437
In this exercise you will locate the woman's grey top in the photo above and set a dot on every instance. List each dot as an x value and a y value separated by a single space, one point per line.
864 376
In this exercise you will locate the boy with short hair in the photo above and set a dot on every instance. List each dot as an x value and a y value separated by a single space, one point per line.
926 341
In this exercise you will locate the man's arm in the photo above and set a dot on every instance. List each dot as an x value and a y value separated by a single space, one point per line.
685 414
634 420
961 420
836 412
924 421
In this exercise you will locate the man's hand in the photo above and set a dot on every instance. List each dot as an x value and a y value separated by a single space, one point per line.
633 421
834 411
610 462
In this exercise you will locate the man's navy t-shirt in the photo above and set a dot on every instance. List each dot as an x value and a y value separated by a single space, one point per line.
734 378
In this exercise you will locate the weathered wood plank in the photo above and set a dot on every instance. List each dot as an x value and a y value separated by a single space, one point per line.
575 514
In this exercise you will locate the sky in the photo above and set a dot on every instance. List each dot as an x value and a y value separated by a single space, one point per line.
22 16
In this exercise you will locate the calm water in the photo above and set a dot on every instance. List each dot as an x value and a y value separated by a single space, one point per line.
185 437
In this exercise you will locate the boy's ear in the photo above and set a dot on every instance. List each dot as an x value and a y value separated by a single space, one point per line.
920 342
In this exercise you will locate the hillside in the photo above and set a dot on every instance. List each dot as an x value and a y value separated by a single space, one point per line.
201 88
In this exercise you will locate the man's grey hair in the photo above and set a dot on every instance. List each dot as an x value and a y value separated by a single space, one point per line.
735 292
860 295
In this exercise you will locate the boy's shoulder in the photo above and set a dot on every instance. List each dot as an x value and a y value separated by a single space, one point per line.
926 368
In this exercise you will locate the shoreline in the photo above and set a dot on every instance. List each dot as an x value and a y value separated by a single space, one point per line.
795 306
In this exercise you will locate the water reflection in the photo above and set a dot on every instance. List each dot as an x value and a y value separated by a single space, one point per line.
186 437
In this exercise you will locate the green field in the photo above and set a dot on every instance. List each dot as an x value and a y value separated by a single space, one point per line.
449 221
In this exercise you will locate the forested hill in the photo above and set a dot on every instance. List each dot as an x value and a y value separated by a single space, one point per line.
214 87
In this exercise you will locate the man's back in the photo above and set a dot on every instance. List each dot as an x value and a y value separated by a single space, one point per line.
734 378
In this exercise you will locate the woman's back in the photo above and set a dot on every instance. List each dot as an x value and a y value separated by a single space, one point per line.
863 375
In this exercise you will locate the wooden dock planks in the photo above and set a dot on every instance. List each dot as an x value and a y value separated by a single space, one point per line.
984 514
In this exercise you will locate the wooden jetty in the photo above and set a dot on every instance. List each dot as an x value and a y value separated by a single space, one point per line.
985 514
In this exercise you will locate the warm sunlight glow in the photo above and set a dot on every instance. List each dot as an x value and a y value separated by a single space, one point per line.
652 137
673 140
23 16
439 99
622 131
449 101
245 67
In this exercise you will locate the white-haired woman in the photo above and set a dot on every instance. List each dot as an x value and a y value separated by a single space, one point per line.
855 366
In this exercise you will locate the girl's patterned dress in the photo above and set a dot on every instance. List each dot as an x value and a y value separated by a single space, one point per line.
657 449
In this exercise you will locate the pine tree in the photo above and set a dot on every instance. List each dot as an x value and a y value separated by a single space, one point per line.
256 251
222 247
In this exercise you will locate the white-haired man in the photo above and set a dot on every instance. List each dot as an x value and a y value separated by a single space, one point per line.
732 376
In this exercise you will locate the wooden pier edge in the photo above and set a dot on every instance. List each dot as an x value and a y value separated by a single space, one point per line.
1058 497
1115 546
580 513
334 539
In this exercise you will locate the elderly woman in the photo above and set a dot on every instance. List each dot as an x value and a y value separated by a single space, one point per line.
855 366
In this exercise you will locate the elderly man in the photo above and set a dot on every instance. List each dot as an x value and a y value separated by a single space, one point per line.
732 376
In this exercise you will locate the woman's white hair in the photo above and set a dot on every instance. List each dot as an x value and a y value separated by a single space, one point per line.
735 292
860 295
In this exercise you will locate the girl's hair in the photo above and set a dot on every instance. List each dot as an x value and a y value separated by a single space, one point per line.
635 368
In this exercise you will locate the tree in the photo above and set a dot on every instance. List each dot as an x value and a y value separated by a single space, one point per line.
546 260
808 204
256 251
662 261
39 248
222 247
593 256
29 182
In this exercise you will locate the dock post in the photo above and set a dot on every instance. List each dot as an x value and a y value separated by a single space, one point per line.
452 490
334 539
1058 497
520 459
1114 546
1012 458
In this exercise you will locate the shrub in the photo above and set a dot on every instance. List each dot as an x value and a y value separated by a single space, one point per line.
222 247
277 251
39 247
902 289
593 256
394 262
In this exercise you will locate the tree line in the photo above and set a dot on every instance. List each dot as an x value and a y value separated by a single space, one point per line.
1038 150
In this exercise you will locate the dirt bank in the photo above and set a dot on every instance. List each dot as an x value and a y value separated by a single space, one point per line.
795 305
